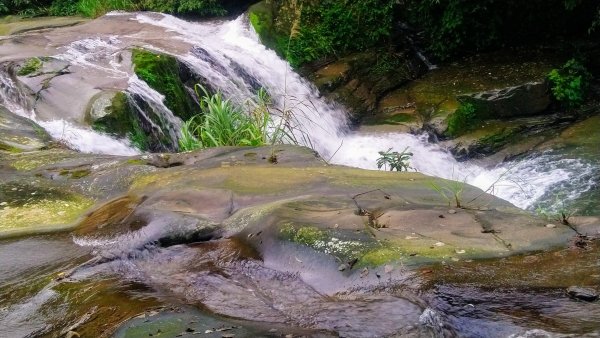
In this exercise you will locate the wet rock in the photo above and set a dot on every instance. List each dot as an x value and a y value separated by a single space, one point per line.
581 293
524 100
19 134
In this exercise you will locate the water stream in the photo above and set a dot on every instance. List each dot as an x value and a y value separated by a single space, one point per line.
226 277
229 56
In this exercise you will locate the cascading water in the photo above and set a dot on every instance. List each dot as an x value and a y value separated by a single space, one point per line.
80 138
230 57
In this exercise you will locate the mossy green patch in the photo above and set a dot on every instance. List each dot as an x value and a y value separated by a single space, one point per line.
122 121
26 208
37 159
261 18
75 174
9 148
32 65
161 72
345 245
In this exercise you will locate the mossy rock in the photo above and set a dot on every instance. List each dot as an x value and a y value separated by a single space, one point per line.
162 73
112 113
27 208
18 134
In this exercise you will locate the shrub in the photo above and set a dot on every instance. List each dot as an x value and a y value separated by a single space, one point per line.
223 124
318 29
570 83
197 7
395 160
462 120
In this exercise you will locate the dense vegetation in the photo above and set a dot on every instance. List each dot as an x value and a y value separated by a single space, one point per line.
94 8
305 31
457 26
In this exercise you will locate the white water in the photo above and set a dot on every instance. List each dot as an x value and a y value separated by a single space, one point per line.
76 137
228 46
230 57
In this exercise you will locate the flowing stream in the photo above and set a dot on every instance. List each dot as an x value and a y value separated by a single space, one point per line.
225 276
229 56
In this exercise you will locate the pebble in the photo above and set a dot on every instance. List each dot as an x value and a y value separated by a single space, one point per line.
460 252
439 244
452 211
586 294
343 267
550 225
364 273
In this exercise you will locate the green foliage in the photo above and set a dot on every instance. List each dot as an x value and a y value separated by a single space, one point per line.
462 120
399 161
63 8
95 8
319 29
161 72
570 83
30 66
455 27
223 124
196 7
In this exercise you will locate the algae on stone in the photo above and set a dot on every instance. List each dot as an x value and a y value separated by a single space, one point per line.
161 72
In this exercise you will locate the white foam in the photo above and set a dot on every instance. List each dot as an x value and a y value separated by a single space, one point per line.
87 140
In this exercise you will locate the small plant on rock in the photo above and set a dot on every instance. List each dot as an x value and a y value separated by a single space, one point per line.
399 161
462 120
30 66
570 83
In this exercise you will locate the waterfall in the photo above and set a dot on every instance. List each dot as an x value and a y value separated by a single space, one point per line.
229 57
77 137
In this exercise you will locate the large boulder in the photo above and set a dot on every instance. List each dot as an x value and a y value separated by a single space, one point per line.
523 100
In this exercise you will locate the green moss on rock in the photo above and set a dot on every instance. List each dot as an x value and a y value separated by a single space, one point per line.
121 120
27 208
161 72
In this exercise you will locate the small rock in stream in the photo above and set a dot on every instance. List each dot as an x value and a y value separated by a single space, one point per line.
586 294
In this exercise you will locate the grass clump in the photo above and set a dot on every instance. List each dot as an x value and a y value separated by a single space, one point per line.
462 120
570 83
222 123
30 66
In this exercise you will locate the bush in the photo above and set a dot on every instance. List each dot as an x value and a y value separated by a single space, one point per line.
221 123
318 29
462 120
95 8
570 83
